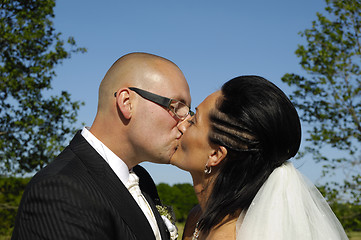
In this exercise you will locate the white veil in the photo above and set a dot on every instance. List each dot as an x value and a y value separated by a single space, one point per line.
288 206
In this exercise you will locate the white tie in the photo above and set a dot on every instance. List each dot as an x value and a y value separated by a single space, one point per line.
133 187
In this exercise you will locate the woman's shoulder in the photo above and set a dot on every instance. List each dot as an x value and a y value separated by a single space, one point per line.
225 230
191 222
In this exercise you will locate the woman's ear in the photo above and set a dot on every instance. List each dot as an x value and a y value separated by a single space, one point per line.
217 156
124 103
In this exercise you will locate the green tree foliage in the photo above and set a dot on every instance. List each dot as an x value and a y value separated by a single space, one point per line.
180 196
11 190
33 124
329 96
348 213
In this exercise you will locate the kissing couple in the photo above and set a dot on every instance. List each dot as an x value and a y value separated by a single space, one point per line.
237 148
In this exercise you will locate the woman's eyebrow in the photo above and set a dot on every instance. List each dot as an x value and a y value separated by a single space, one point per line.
196 115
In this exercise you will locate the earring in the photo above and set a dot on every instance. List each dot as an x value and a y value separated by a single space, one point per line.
207 170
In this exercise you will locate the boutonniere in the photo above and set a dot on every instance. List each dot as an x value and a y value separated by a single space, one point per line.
168 217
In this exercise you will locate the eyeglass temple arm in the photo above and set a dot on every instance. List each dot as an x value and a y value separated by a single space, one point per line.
164 101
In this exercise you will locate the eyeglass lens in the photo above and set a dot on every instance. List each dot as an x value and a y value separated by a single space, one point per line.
179 108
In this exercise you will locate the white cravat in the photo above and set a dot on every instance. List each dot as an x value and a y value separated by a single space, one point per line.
133 187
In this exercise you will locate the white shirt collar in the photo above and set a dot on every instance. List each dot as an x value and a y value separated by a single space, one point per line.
116 164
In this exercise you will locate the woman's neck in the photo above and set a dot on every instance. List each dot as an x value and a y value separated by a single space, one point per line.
203 185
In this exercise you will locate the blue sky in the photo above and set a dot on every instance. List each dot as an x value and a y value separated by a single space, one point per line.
211 41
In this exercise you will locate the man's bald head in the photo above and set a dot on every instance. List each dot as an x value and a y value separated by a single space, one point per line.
134 128
134 69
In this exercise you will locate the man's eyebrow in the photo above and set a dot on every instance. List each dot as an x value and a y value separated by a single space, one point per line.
179 98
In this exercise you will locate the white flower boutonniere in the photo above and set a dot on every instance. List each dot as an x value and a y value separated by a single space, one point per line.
169 219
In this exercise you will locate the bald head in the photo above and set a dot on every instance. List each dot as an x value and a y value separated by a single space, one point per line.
142 70
134 121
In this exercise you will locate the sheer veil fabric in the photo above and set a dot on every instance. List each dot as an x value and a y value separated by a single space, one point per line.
288 206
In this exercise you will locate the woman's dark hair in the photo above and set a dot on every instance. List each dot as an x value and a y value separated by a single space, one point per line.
260 128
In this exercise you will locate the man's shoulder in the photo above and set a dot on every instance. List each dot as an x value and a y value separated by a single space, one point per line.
65 161
66 175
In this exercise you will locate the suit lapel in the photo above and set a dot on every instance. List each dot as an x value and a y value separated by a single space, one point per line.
161 225
113 188
150 192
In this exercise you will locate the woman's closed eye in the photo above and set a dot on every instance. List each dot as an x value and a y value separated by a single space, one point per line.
191 121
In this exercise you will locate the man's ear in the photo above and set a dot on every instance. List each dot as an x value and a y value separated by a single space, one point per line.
124 103
217 156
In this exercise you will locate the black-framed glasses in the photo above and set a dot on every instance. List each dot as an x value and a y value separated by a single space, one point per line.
178 108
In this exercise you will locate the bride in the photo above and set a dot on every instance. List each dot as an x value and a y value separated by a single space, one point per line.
237 148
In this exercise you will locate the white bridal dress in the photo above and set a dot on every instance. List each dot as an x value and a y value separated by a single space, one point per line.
288 206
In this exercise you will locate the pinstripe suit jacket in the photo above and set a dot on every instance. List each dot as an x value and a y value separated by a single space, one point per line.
78 196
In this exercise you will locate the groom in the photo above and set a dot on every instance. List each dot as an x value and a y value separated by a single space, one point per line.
90 190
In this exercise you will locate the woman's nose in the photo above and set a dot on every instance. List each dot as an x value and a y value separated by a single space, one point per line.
184 124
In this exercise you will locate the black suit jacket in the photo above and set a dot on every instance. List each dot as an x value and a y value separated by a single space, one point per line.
78 196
